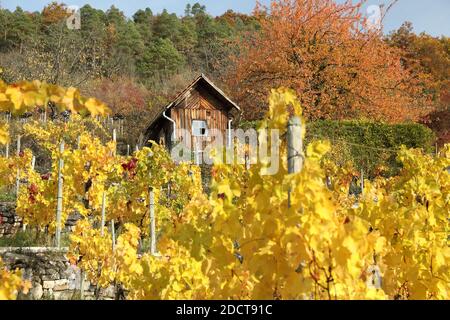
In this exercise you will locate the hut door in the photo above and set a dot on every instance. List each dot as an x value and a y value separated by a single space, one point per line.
199 136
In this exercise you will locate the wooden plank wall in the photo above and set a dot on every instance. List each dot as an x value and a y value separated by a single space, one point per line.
200 105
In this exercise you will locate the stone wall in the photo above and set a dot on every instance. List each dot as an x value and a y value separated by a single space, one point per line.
10 224
51 274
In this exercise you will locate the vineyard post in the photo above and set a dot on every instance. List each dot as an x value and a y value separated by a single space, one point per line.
59 202
102 226
197 154
18 170
295 148
152 222
78 142
115 141
33 163
19 138
362 182
137 148
328 182
7 144
17 182
113 235
128 150
81 284
247 158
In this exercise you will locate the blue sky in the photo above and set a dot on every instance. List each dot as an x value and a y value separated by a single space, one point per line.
431 16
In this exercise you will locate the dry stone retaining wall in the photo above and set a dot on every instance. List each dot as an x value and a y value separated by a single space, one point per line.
51 274
10 223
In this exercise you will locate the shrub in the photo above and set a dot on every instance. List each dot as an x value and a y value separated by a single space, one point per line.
369 145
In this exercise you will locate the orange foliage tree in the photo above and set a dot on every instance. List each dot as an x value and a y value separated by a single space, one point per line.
428 54
339 67
54 13
122 94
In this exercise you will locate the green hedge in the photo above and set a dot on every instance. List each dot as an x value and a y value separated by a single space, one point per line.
367 144
371 144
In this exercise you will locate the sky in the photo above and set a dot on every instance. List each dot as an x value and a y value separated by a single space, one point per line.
430 16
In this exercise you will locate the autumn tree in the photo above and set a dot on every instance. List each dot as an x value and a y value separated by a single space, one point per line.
427 54
325 51
128 101
54 13
430 55
123 95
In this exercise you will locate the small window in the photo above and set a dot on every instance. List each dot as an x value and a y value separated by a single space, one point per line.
199 128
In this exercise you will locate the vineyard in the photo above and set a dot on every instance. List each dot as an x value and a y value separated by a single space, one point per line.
297 235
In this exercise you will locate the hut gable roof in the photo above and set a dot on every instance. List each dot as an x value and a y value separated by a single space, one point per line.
205 83
200 80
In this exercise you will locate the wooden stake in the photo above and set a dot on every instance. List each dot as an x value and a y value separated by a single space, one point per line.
102 226
7 144
115 140
362 182
18 170
247 161
152 222
19 138
328 182
113 235
128 150
17 182
197 154
33 162
81 284
59 202
295 145
295 148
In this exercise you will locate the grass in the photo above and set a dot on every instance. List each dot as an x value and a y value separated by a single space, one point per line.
33 238
7 196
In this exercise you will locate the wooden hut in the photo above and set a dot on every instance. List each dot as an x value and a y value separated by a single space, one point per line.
200 107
